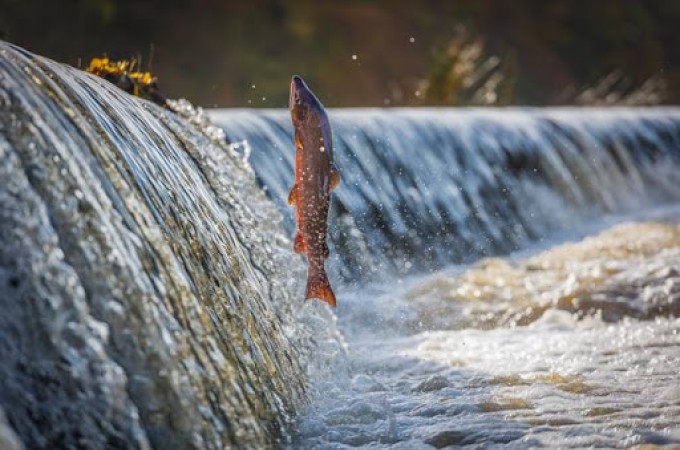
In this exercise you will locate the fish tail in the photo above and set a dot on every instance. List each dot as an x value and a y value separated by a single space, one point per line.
318 285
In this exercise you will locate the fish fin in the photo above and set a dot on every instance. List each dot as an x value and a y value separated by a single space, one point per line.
292 196
318 286
335 178
299 246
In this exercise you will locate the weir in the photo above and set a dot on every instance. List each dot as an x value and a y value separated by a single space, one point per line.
422 188
149 292
142 296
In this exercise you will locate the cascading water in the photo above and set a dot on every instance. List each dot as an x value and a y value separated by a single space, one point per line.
150 296
425 187
143 301
572 346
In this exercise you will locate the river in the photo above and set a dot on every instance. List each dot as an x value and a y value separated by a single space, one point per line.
509 278
506 277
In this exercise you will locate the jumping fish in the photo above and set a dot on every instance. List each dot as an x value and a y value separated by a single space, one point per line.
315 178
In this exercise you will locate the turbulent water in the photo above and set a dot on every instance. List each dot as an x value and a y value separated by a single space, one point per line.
422 188
557 345
577 346
143 301
505 277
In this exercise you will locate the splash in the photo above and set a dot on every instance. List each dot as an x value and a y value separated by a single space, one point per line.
592 363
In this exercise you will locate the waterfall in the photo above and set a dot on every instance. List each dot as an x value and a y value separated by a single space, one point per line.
422 188
143 298
149 294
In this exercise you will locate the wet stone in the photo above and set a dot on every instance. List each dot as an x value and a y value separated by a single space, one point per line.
434 383
429 410
601 411
446 438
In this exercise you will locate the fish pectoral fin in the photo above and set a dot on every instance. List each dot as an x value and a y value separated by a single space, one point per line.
335 178
292 196
299 246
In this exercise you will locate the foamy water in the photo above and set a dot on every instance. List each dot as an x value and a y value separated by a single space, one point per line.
574 346
558 384
556 345
152 298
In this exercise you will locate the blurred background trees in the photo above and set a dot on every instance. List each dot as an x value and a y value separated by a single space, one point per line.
373 52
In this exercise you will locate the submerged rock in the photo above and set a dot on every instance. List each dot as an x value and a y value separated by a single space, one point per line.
445 438
434 383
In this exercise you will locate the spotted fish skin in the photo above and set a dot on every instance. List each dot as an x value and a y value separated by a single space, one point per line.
315 178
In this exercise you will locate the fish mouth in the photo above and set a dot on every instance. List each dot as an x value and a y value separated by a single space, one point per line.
297 85
299 93
298 82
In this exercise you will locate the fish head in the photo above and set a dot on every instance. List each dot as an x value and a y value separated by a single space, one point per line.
305 108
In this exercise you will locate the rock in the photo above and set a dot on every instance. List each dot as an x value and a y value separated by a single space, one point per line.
434 383
445 438
430 410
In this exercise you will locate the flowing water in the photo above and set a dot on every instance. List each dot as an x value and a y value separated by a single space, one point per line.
572 347
422 188
143 301
505 277
570 340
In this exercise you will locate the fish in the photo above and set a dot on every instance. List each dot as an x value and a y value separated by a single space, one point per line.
315 177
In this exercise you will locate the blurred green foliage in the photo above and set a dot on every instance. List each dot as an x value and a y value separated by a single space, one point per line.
363 52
